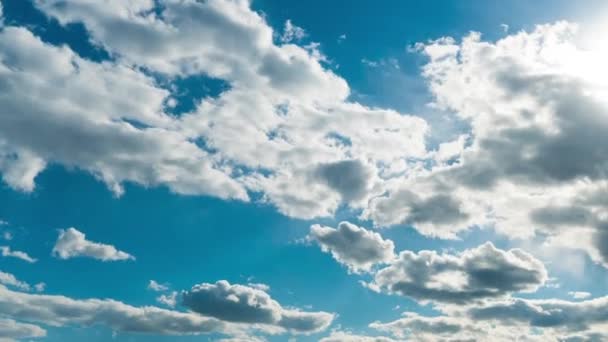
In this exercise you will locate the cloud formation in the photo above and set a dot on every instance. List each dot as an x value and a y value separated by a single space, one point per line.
475 274
244 304
356 247
11 330
72 243
7 252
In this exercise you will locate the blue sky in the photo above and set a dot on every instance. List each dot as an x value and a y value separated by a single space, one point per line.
354 175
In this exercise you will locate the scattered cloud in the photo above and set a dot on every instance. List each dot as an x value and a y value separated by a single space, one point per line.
7 252
357 248
292 33
72 243
475 274
11 330
244 304
155 286
579 294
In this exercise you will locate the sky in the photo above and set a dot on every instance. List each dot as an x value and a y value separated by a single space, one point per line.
344 171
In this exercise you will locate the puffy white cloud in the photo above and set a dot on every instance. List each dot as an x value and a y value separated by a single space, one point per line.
7 252
11 330
299 129
292 32
474 274
10 280
63 311
47 116
155 286
356 247
169 299
341 336
72 243
414 327
535 153
579 294
561 315
244 304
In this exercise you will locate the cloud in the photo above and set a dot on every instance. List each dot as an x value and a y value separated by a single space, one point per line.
7 252
357 248
169 300
562 315
72 243
292 32
155 286
579 294
475 274
302 116
415 327
536 109
11 330
421 328
243 304
350 178
10 280
61 311
341 336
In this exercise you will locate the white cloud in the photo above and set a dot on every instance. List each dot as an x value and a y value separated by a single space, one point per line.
169 299
293 113
63 311
292 33
579 294
353 246
10 280
11 330
7 252
536 107
342 336
475 274
73 243
155 286
243 304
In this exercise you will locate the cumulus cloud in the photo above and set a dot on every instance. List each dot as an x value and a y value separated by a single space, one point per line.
63 311
545 313
473 275
535 153
356 247
341 336
155 286
169 299
441 328
72 243
579 294
11 330
243 304
10 280
293 112
7 252
292 32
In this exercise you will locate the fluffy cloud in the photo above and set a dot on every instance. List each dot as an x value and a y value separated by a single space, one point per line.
10 280
155 286
72 243
545 313
340 336
243 304
7 252
535 160
308 149
356 247
414 327
63 311
475 274
11 330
